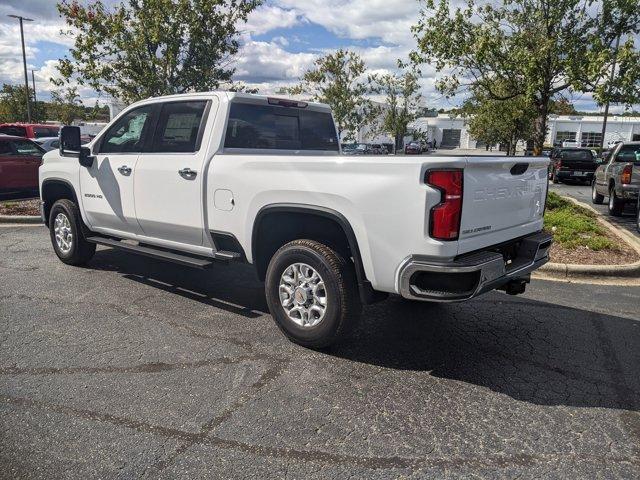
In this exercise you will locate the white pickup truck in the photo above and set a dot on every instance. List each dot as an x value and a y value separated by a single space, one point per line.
210 178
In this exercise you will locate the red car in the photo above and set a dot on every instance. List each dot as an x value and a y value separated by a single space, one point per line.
413 148
29 130
20 159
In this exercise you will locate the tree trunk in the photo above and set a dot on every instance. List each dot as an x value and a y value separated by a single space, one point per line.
540 125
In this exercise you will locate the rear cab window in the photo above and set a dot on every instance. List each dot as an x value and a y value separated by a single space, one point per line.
14 130
40 132
628 153
584 155
276 127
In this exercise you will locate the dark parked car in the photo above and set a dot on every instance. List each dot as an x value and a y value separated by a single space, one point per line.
20 159
572 163
413 148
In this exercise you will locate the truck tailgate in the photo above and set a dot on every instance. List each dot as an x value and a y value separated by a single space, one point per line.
503 199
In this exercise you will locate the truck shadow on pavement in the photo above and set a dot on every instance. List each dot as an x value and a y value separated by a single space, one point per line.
532 351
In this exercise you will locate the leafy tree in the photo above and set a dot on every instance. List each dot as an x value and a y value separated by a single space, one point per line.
402 94
13 106
66 106
562 106
143 48
498 121
337 80
535 48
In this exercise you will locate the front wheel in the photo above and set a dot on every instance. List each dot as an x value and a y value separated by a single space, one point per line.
311 292
596 198
67 236
616 205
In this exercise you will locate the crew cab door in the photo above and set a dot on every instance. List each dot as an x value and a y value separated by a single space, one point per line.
169 177
107 186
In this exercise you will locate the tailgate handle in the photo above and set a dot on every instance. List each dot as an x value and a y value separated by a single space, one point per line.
519 168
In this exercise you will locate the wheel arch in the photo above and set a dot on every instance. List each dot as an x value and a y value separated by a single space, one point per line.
262 253
54 189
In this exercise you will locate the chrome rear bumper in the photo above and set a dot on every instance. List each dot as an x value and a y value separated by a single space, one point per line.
473 274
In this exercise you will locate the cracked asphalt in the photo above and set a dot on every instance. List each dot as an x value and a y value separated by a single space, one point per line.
134 368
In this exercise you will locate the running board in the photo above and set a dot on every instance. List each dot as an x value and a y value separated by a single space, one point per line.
196 262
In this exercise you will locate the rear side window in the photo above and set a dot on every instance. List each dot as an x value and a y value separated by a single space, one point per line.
5 148
628 153
279 128
179 127
13 130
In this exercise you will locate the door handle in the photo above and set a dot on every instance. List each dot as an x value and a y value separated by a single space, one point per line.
124 170
187 173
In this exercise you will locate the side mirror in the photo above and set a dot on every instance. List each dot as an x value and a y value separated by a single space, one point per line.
70 141
71 145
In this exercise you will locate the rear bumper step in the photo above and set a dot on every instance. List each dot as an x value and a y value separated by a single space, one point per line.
472 275
161 254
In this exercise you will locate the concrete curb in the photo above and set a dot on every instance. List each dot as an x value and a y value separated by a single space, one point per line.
567 270
26 219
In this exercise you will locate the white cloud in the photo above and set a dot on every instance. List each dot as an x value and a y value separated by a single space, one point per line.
268 17
268 61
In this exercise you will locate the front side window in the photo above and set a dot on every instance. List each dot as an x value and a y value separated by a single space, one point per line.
279 128
628 153
25 147
128 134
14 130
178 127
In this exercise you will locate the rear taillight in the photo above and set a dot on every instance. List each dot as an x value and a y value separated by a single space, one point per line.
625 178
444 218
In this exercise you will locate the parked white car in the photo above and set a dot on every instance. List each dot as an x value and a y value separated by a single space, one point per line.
48 143
209 178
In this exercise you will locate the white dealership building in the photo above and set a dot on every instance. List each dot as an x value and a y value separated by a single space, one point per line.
451 132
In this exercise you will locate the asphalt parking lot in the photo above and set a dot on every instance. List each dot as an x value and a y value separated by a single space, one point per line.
133 368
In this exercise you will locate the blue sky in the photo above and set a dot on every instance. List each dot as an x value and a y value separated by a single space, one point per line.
280 41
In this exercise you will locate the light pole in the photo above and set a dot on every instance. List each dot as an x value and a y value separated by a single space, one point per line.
24 62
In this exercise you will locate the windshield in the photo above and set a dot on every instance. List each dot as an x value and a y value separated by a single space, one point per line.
576 155
25 147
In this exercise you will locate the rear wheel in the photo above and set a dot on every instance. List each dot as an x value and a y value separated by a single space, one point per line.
595 196
616 205
311 292
67 234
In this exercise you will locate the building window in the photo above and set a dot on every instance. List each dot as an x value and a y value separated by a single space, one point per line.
565 137
591 139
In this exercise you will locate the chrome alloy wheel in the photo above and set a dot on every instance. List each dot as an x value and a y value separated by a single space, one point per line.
303 295
63 233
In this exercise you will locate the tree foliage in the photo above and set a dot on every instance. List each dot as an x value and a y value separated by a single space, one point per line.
532 48
143 48
66 106
13 104
337 80
496 121
402 98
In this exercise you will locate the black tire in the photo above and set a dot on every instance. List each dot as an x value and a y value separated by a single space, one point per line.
596 198
80 251
343 305
616 205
